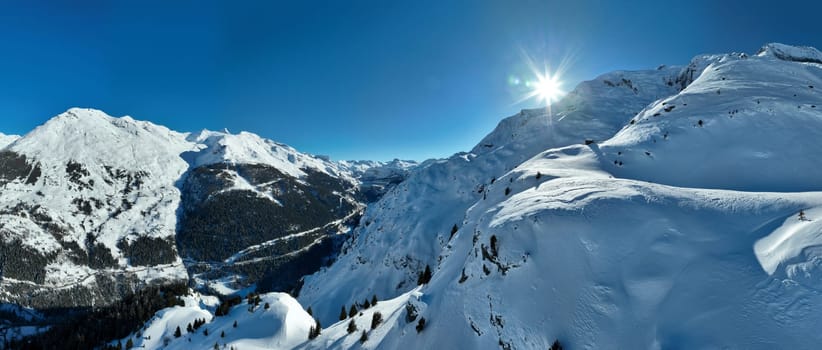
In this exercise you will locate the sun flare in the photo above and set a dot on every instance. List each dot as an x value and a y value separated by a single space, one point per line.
547 88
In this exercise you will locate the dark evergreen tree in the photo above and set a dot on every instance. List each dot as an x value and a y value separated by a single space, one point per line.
421 324
205 332
352 327
235 323
374 300
343 314
129 343
366 304
189 328
507 191
376 319
266 306
177 332
454 230
363 337
309 311
353 311
315 330
556 345
222 334
425 276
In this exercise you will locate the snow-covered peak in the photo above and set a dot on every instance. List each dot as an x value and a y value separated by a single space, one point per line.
91 136
791 53
248 148
6 140
593 110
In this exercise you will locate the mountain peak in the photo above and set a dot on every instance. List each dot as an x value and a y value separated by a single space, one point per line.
791 53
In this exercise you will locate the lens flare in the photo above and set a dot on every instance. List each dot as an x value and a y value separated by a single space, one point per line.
547 88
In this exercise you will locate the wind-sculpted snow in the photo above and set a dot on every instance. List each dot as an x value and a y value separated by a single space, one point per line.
676 230
406 230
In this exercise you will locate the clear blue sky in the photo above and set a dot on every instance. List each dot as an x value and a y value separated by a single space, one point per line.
351 79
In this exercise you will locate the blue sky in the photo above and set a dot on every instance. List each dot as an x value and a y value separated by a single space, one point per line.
350 79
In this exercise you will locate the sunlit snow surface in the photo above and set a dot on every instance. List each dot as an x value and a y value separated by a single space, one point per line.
664 233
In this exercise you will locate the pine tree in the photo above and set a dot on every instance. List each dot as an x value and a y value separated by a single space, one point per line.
366 304
352 327
454 230
266 306
539 175
315 330
507 191
205 332
216 346
353 311
189 328
376 319
425 276
363 337
309 311
222 334
177 332
374 300
129 343
343 314
235 323
556 345
420 324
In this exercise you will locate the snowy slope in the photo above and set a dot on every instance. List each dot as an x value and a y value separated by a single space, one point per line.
6 140
284 325
745 123
694 244
408 227
594 260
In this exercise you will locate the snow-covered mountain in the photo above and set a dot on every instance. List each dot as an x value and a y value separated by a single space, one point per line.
677 208
93 207
680 230
409 227
84 198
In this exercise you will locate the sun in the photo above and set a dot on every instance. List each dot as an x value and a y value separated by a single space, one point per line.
547 88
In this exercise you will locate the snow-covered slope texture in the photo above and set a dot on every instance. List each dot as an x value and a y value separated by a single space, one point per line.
406 229
277 322
574 246
87 209
746 123
6 140
602 262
